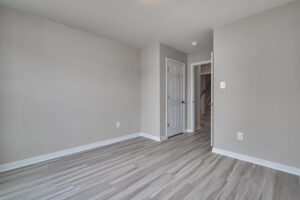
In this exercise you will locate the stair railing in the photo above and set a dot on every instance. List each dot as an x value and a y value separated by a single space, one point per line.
205 93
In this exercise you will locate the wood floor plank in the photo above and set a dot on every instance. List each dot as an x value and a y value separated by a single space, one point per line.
181 167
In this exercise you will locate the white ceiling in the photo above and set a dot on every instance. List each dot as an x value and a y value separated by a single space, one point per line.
142 22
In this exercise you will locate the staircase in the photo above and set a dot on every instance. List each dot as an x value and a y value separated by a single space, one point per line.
205 105
206 117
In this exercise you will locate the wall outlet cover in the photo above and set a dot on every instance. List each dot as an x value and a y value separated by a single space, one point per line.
118 124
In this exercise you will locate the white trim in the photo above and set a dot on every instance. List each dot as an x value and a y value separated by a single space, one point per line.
163 138
193 91
212 97
206 73
152 137
189 131
258 161
166 100
66 152
166 96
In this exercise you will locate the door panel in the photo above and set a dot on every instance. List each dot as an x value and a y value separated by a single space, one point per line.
175 97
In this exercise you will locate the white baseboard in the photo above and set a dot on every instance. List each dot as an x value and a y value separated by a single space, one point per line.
153 137
66 152
163 138
258 161
38 159
189 131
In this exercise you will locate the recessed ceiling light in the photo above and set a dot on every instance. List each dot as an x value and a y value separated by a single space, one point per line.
195 43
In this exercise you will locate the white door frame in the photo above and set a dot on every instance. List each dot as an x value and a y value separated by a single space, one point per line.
212 101
193 65
166 97
211 61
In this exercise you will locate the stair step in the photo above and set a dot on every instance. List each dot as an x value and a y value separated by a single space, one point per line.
205 125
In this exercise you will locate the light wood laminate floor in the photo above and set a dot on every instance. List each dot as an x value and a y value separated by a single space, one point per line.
180 168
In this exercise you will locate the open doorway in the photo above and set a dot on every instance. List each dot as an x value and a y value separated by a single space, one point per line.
202 93
202 96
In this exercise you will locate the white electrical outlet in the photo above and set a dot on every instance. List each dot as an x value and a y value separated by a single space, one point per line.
222 84
118 124
240 136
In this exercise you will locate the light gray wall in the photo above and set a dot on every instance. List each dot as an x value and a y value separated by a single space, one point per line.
259 58
166 52
153 87
150 90
61 87
193 58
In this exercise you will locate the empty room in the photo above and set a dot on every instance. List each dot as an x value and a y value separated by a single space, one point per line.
149 99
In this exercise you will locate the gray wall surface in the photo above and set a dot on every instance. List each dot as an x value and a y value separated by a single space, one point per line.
153 87
61 88
166 52
150 90
259 58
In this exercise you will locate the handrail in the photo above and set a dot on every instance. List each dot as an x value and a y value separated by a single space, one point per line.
205 101
208 86
205 90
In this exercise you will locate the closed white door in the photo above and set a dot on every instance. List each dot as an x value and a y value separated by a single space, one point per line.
175 97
